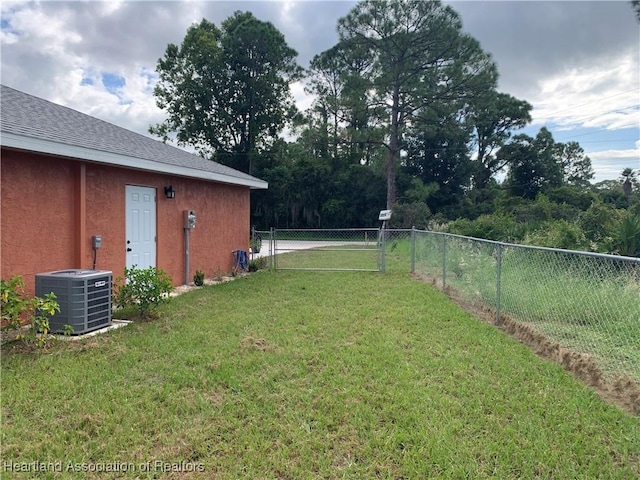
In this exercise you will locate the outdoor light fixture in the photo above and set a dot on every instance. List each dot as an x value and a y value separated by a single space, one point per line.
169 192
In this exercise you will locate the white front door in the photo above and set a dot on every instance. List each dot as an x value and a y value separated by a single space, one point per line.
141 226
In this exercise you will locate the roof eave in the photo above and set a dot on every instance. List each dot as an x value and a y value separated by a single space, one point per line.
22 142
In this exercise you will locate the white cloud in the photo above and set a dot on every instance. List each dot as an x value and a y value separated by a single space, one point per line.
49 33
631 154
302 99
562 57
110 7
609 164
592 96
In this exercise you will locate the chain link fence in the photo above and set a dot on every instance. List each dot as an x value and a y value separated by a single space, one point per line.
587 303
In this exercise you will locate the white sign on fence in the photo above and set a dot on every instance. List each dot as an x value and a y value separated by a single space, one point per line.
384 215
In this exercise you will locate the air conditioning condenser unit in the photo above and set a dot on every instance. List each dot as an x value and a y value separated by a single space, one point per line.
84 297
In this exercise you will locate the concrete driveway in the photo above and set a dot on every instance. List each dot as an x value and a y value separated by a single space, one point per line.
284 246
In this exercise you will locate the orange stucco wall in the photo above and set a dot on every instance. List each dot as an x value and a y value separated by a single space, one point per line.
46 226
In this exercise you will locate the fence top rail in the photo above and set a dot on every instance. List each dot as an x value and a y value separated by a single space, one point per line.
370 229
533 247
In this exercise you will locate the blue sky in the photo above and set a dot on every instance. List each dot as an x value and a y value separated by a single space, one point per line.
576 62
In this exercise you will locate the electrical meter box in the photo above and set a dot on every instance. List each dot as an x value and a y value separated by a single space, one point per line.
189 219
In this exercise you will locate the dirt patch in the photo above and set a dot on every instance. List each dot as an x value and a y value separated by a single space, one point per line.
258 344
623 391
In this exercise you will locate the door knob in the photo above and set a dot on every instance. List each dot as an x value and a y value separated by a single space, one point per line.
128 249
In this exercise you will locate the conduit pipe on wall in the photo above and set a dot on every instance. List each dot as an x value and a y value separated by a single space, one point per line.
189 223
186 255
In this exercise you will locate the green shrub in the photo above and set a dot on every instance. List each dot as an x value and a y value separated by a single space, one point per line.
256 264
571 195
144 289
627 237
198 278
533 212
558 234
502 228
19 309
598 222
43 307
14 303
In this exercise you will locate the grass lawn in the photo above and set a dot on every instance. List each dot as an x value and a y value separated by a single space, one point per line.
340 257
308 375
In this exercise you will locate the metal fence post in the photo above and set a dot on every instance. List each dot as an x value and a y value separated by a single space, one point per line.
413 249
444 262
384 250
379 249
272 248
498 275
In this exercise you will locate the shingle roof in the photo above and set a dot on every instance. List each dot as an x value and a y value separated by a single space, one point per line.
36 124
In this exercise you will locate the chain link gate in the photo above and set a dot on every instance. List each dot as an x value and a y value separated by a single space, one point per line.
351 249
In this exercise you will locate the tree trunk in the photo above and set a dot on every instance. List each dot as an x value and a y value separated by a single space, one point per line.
394 148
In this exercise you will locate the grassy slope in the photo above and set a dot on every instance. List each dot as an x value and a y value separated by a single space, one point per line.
312 375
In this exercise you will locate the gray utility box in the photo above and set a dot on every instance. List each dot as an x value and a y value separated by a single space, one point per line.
84 297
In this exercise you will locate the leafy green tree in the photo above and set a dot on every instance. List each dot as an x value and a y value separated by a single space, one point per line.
337 78
226 90
493 116
534 164
524 177
532 213
537 164
311 179
629 181
419 57
481 201
273 207
361 189
437 153
611 193
327 84
577 197
419 192
305 190
576 166
407 215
